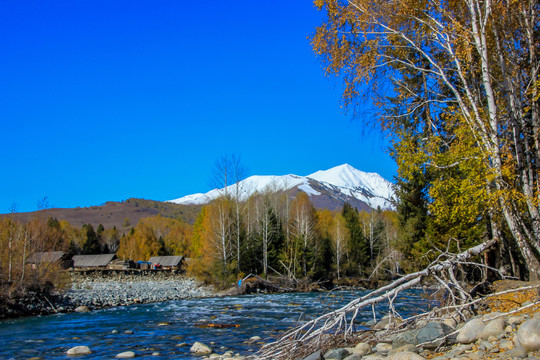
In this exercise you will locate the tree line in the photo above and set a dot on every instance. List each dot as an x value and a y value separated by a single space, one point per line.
272 233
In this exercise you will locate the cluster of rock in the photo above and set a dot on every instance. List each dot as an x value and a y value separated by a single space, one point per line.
198 349
492 336
96 293
207 352
85 350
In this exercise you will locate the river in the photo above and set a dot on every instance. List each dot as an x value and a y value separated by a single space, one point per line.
170 327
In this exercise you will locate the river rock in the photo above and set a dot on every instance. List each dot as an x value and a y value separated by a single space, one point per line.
315 356
373 357
353 357
471 331
515 320
79 350
199 348
528 335
517 352
506 344
431 332
386 322
450 322
406 347
82 309
126 355
404 338
405 355
255 338
383 348
493 328
362 349
336 354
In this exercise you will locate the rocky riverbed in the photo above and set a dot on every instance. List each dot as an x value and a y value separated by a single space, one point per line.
96 291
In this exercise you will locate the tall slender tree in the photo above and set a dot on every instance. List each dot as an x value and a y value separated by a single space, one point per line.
479 62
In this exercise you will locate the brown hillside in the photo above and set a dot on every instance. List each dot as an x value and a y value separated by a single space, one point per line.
114 213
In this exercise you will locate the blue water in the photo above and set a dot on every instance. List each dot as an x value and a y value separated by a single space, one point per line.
49 337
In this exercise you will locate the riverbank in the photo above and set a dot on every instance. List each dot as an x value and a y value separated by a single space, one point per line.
97 291
100 291
506 326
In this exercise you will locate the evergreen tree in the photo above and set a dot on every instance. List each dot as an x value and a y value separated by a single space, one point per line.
163 251
321 268
377 245
91 244
358 247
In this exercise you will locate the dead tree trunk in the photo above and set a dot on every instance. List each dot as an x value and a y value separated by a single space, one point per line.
309 334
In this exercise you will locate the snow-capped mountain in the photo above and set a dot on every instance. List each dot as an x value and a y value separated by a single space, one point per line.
327 189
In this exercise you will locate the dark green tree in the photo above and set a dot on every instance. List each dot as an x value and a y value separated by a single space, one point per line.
91 244
358 247
321 261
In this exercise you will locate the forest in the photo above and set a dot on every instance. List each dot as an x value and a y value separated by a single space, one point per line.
270 234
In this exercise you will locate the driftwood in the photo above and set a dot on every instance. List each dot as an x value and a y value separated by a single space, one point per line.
253 283
308 336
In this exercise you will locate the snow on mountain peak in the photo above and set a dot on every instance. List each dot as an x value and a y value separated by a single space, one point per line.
346 176
370 188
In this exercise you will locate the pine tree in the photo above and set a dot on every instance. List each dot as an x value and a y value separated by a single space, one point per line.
91 244
358 247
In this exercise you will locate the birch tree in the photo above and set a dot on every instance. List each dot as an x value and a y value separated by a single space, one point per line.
339 235
303 226
478 63
228 176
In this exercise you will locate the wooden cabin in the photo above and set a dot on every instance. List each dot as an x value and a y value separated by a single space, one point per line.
100 261
50 257
167 262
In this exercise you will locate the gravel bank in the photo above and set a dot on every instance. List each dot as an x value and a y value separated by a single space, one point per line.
98 291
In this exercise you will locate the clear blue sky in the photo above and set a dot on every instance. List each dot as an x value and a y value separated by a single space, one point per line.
107 100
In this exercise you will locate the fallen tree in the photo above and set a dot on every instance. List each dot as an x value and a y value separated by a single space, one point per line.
308 336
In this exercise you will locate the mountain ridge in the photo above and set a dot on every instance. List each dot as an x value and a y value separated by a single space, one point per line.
327 188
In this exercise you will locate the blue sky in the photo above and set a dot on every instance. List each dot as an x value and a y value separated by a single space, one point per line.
107 100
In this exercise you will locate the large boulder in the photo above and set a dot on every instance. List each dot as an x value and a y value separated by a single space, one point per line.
199 348
362 349
493 328
528 334
336 354
406 337
79 350
315 356
433 334
471 331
